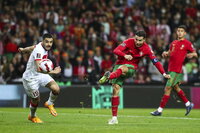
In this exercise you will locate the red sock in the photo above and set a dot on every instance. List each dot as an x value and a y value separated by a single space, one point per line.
181 94
33 105
33 108
115 74
164 101
115 103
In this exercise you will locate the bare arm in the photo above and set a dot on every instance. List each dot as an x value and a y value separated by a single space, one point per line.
56 70
191 55
27 49
166 54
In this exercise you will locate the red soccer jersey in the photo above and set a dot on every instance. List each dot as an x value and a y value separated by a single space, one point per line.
128 47
178 52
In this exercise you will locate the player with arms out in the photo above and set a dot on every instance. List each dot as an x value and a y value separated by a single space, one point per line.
129 53
177 52
33 77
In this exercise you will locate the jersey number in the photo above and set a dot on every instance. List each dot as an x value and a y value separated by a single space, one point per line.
35 93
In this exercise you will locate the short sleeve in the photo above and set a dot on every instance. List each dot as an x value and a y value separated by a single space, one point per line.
150 53
190 47
37 53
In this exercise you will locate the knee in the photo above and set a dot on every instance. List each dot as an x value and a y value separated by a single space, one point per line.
176 88
124 69
116 89
35 100
56 90
53 86
167 90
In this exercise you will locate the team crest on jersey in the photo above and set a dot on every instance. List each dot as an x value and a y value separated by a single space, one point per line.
182 46
123 44
38 55
141 53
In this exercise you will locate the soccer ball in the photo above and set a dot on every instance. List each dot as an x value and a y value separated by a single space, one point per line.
46 65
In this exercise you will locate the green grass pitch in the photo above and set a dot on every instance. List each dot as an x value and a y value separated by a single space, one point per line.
82 120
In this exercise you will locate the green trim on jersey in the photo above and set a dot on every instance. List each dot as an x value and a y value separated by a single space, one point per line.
176 78
120 80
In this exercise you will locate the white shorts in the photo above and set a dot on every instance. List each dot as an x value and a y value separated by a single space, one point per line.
32 84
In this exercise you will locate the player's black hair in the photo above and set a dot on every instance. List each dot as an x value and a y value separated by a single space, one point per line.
183 27
141 33
47 35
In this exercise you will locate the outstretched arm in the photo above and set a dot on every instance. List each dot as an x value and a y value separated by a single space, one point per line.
191 55
160 68
158 65
26 49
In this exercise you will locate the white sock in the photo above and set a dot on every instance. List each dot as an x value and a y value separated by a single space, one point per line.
187 104
114 117
32 111
52 98
160 109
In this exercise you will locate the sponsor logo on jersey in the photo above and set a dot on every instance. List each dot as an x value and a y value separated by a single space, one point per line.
141 53
38 55
182 46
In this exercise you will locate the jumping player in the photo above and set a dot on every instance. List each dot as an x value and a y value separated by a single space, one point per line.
129 53
177 52
33 78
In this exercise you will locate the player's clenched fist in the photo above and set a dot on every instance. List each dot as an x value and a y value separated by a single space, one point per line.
21 50
167 76
128 57
165 54
57 70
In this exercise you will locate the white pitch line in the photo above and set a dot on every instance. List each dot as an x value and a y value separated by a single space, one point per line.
134 116
122 116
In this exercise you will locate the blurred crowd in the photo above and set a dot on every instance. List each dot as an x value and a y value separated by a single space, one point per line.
86 32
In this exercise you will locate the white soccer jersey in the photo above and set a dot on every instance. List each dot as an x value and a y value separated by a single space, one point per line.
38 53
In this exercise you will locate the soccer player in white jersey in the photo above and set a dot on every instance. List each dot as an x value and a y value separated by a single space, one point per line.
33 77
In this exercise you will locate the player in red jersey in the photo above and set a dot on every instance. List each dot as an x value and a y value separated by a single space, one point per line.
177 52
129 53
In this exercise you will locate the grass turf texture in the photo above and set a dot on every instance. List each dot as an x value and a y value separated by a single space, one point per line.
78 120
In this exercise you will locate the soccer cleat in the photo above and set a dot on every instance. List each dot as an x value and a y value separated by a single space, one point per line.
189 108
51 109
35 119
156 113
104 78
112 121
